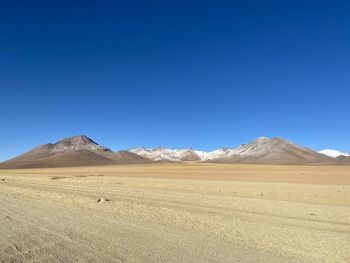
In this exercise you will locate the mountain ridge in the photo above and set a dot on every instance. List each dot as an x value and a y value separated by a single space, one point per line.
80 150
243 153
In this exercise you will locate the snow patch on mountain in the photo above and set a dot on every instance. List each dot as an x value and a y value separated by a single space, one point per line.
333 153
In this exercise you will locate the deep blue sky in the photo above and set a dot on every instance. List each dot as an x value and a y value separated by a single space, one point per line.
202 74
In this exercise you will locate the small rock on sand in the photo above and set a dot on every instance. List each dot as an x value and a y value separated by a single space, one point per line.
103 199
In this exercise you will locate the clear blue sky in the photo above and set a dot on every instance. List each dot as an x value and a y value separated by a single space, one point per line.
202 74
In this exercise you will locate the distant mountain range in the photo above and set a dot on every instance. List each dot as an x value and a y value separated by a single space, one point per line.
82 151
261 151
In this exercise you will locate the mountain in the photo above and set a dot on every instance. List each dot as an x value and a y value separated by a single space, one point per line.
173 155
75 151
273 151
333 153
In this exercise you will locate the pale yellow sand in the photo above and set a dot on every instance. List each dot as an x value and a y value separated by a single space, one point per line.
176 213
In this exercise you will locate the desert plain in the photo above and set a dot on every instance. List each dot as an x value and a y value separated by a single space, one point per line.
188 212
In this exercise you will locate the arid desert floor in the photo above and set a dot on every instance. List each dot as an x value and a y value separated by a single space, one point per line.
176 213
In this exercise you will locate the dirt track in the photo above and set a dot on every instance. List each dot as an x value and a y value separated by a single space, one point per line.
176 213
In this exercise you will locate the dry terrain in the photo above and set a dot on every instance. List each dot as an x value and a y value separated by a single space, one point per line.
176 213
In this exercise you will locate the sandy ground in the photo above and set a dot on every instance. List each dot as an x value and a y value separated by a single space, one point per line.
176 213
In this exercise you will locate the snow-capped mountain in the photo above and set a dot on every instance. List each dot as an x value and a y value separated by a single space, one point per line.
176 155
334 153
165 154
219 153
